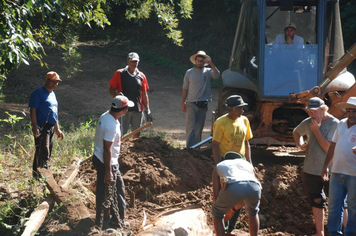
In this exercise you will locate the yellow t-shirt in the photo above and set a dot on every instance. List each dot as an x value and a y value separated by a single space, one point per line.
232 134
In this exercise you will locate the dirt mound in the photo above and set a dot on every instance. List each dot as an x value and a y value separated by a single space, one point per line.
159 177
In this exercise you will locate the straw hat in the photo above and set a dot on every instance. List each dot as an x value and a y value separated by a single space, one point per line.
199 53
351 103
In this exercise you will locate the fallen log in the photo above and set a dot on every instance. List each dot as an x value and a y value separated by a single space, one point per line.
69 175
76 212
39 214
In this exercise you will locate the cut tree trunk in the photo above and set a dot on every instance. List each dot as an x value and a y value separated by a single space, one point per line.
39 214
76 212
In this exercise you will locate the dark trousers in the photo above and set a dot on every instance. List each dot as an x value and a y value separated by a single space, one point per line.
100 193
43 148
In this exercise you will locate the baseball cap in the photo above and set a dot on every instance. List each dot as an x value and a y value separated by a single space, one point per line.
232 156
133 56
291 25
235 101
315 103
120 101
53 76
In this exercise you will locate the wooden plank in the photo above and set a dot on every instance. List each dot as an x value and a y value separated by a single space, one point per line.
127 136
37 217
75 211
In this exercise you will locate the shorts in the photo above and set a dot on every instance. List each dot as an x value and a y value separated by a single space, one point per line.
314 187
247 191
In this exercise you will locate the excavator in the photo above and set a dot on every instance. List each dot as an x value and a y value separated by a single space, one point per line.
277 79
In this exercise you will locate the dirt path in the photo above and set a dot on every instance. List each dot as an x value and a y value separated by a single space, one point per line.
86 95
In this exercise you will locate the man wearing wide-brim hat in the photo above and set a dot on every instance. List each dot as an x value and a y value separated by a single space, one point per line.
196 94
289 36
342 154
231 133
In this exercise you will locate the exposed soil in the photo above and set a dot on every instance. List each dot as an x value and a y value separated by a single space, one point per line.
160 176
163 178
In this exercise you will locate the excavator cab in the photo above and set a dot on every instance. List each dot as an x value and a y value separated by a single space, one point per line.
266 67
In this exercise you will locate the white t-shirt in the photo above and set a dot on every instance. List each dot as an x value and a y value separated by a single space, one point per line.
107 129
280 39
344 161
236 170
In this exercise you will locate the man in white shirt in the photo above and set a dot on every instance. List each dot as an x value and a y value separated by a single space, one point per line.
238 187
289 36
342 154
107 143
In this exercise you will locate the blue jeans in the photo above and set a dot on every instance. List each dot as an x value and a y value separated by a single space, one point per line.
342 187
194 123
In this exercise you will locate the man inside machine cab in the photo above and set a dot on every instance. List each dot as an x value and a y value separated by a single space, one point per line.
289 36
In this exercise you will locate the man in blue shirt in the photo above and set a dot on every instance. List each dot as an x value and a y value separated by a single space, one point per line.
44 120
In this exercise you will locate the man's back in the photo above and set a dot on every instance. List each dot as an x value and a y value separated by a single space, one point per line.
236 170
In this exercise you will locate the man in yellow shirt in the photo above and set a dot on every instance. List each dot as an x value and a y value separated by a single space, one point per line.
232 131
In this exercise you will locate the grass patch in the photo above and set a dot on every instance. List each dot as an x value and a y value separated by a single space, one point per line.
19 193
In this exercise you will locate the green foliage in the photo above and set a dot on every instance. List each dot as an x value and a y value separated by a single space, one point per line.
16 168
166 14
12 120
27 25
71 56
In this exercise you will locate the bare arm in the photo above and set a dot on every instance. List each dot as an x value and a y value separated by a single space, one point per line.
107 161
328 160
35 128
145 100
184 96
112 92
216 185
299 140
248 151
215 70
216 153
58 131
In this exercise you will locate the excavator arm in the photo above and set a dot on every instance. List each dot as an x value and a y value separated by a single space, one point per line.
320 91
